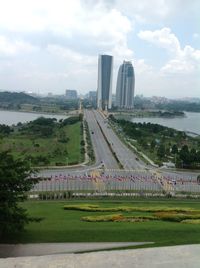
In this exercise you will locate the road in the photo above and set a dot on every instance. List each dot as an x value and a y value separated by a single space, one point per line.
100 129
100 146
126 157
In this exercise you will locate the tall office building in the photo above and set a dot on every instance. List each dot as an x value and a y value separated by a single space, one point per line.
125 86
71 94
104 89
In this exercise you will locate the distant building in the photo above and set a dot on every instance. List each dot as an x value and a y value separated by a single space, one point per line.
49 94
92 96
71 94
114 100
125 86
104 89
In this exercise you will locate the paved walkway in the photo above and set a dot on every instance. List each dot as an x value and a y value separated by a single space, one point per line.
174 257
39 249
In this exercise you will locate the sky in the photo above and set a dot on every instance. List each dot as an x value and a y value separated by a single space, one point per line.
53 45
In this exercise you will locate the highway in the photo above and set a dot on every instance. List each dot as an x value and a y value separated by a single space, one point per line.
103 156
106 165
126 157
100 146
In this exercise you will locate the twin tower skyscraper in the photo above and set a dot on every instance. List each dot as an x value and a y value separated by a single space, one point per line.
125 84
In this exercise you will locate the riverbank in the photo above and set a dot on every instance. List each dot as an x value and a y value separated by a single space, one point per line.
189 123
159 144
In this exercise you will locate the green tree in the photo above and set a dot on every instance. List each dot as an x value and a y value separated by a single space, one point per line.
174 149
153 144
193 155
15 182
185 155
161 151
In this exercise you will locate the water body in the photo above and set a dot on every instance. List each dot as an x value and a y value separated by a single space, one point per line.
12 117
189 123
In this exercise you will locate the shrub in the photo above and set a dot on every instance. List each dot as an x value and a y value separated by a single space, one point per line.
129 209
102 218
117 218
191 221
176 217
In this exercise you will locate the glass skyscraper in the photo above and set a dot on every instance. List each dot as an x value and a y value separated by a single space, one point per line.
125 86
104 89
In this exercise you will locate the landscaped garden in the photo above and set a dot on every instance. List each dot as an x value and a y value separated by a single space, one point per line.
165 222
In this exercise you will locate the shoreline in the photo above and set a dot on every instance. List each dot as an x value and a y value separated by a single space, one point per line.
35 112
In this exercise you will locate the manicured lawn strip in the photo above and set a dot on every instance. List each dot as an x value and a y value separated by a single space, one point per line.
61 225
74 146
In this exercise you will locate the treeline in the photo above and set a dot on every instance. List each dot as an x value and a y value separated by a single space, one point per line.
5 130
62 103
46 127
188 158
162 142
141 130
16 98
170 105
179 106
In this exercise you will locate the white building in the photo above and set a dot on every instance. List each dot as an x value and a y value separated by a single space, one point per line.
125 86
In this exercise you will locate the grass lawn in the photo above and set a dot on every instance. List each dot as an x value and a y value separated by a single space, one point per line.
49 147
61 225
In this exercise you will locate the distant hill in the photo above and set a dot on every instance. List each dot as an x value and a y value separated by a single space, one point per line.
16 98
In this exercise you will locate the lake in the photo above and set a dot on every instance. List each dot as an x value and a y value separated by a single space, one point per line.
12 117
191 122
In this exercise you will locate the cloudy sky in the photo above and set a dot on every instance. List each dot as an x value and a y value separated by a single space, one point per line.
51 45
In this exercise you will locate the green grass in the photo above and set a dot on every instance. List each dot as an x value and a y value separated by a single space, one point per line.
56 152
61 225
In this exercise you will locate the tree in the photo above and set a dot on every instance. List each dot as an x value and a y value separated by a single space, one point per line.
185 155
153 144
15 182
193 155
198 179
174 149
161 151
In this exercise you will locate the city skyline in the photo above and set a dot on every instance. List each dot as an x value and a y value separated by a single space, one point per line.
52 45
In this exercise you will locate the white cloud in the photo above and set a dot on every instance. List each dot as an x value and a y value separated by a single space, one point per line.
196 35
142 68
71 34
71 56
184 60
104 28
8 47
163 38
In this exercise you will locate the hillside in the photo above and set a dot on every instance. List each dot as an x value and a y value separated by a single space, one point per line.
16 98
